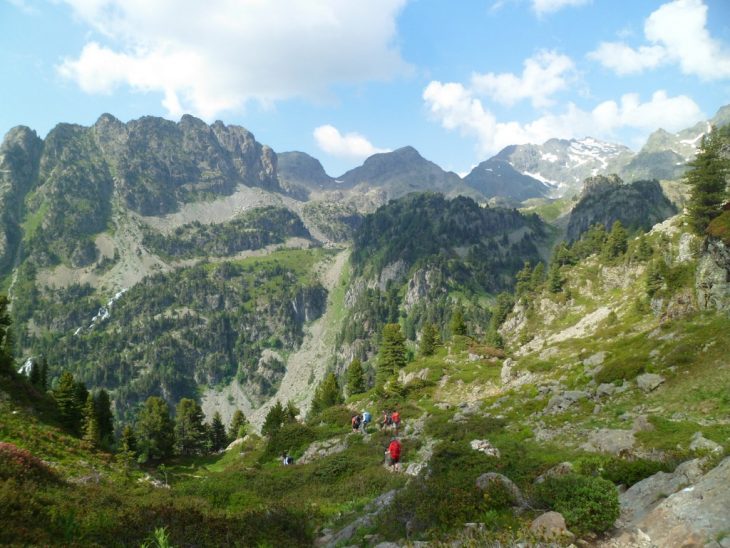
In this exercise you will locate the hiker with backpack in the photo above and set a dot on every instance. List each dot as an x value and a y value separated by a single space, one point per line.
392 453
395 418
366 418
386 420
356 422
286 459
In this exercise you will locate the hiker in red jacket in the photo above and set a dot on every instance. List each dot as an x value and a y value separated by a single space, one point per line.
392 454
395 417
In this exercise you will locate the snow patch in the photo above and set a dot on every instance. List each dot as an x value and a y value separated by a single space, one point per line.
542 179
549 157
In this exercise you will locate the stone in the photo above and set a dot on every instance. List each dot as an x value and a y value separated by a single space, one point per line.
605 389
596 359
642 424
562 469
712 279
561 402
319 449
702 444
406 378
648 382
506 373
485 480
607 440
485 447
550 526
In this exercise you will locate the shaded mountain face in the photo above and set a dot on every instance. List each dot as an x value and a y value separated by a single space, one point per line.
564 164
400 172
299 169
496 177
604 200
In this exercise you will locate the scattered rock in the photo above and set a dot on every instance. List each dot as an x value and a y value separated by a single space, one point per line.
371 511
443 405
550 526
605 389
595 360
406 378
562 469
153 482
506 373
700 443
473 357
466 409
607 440
485 447
561 402
649 382
319 449
642 424
94 478
235 443
483 482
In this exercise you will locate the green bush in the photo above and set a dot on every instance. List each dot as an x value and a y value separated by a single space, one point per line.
337 415
620 471
588 504
292 438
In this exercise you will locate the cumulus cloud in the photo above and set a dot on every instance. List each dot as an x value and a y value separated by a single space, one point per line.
546 6
456 108
677 33
350 145
543 75
209 57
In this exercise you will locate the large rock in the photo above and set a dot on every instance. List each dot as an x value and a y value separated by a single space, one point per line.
608 440
562 469
319 449
550 526
485 447
697 514
713 276
649 382
561 402
702 444
506 373
484 482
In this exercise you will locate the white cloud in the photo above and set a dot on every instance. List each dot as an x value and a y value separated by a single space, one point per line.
543 75
350 145
677 32
209 57
546 6
456 108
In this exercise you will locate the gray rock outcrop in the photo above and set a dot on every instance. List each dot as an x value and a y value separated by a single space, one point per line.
648 382
484 482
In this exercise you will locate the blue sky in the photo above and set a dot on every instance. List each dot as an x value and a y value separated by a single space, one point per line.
342 79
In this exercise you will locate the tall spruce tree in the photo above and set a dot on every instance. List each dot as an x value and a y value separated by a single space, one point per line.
190 433
218 438
6 356
457 324
104 417
427 344
392 355
708 178
70 409
555 279
155 430
237 428
355 378
91 424
327 394
617 241
274 419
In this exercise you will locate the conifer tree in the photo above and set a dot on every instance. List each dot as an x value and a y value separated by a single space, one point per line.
654 279
218 438
428 340
537 276
35 374
274 419
127 448
104 417
91 424
70 410
43 382
355 378
392 355
327 393
457 325
155 430
555 280
190 434
291 412
617 241
707 178
6 356
237 428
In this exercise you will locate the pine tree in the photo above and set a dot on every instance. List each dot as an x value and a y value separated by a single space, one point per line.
555 280
190 434
654 279
218 438
355 378
66 395
237 429
523 280
428 340
617 241
707 178
91 424
35 374
6 356
537 276
392 356
43 382
327 394
291 412
457 325
155 430
274 419
127 448
104 417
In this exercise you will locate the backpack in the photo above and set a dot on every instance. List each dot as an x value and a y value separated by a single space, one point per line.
396 417
366 418
289 460
356 421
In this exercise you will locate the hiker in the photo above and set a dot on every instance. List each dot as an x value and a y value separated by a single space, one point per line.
392 454
385 421
366 418
286 460
356 421
395 418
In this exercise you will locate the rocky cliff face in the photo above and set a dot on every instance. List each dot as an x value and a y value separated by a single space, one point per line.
604 200
713 276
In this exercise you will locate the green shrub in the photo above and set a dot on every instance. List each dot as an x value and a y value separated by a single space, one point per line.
624 369
621 471
337 415
588 504
292 438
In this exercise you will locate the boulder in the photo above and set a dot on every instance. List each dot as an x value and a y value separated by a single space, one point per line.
561 402
485 480
695 515
649 382
607 440
562 469
506 373
702 444
485 447
605 389
550 526
319 449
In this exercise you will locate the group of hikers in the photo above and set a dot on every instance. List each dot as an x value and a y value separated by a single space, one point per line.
390 420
